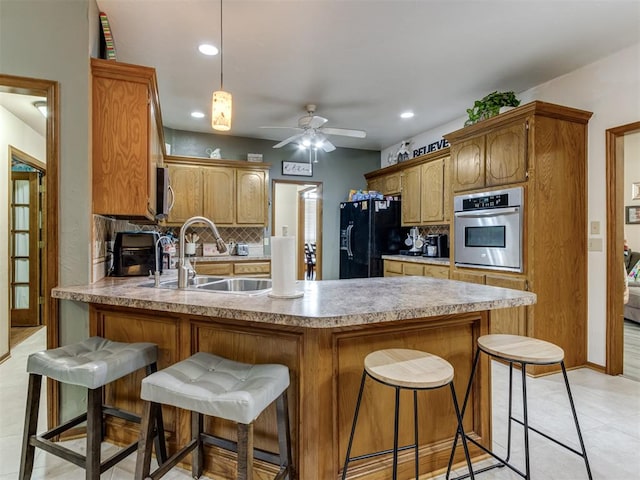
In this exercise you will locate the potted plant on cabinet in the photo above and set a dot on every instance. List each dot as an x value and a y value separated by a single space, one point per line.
490 105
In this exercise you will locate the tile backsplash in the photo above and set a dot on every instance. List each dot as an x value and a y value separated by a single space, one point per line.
105 228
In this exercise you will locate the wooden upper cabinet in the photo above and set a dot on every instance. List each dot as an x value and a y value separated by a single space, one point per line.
251 197
432 198
498 157
227 194
186 182
506 155
389 184
126 140
467 164
219 193
411 195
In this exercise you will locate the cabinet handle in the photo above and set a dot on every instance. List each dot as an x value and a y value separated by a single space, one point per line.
173 198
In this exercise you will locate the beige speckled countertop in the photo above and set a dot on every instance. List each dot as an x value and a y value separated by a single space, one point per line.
325 304
231 258
444 261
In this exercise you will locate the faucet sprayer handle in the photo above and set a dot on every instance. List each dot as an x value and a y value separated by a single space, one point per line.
222 247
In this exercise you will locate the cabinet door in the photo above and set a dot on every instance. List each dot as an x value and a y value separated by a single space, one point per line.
120 148
413 269
508 320
470 277
251 204
186 182
392 184
252 269
376 184
431 204
411 178
219 193
214 268
436 271
467 164
506 155
392 268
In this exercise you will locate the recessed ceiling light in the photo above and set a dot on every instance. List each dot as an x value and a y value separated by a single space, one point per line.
406 115
42 107
197 114
207 49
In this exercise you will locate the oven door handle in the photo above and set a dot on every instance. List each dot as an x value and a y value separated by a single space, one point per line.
491 212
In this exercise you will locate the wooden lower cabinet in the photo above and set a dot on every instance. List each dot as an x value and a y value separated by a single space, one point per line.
325 370
238 269
395 268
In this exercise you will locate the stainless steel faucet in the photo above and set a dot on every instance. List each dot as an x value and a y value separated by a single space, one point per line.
184 266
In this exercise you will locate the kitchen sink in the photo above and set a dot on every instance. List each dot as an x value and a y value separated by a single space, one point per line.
246 286
253 285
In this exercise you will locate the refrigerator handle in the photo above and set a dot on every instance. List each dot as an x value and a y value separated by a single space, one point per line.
349 251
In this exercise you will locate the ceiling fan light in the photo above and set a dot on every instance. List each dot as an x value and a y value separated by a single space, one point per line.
221 104
318 144
306 142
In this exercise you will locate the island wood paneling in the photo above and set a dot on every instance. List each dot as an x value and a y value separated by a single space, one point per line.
325 367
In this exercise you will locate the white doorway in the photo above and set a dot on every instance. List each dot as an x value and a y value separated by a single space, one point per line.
298 206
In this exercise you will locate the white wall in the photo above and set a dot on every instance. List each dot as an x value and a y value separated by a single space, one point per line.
16 133
610 88
54 41
632 175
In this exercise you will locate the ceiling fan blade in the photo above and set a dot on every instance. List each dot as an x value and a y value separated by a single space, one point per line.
289 128
327 146
317 122
287 140
345 132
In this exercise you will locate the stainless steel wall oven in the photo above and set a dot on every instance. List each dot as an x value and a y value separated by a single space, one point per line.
488 229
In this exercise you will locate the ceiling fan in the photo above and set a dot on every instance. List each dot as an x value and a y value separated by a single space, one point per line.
312 133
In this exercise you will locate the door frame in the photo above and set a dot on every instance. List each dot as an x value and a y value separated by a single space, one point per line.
50 317
318 186
615 245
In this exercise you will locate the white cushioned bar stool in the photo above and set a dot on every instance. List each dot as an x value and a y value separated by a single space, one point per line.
410 370
207 384
92 363
523 351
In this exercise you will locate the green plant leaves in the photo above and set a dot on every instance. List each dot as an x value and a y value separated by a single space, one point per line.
490 105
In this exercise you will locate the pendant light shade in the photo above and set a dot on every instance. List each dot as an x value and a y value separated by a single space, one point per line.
221 104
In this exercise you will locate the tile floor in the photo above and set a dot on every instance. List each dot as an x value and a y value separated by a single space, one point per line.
608 409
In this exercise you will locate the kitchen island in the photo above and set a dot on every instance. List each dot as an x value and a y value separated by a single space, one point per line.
323 338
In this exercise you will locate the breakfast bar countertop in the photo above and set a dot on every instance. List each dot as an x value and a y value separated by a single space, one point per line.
325 304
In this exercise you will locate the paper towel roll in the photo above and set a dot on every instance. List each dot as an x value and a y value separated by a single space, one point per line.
283 266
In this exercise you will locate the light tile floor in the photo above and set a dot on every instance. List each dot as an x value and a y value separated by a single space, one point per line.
608 409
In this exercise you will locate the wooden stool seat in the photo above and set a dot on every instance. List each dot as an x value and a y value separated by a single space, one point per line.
408 368
521 349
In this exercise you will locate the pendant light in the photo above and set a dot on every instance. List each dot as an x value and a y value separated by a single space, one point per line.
221 101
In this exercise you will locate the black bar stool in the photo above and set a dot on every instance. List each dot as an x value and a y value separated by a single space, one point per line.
92 363
522 351
410 370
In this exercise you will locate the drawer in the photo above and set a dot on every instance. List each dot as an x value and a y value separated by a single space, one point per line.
413 269
252 268
436 271
214 268
391 266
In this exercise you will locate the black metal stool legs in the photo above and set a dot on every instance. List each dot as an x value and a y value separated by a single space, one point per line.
575 420
353 426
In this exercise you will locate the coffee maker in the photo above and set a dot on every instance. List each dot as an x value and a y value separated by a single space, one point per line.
436 245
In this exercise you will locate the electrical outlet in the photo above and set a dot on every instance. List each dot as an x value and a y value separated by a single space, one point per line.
595 244
595 228
265 241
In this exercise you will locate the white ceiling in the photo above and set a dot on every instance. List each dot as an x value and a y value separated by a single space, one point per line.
362 62
22 107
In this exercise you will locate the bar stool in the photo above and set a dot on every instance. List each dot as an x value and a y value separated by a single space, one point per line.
404 369
207 384
522 351
92 363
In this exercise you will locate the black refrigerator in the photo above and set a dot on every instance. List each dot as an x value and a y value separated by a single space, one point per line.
368 229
